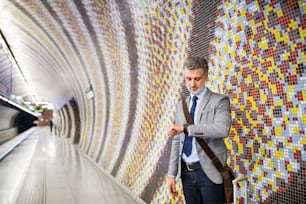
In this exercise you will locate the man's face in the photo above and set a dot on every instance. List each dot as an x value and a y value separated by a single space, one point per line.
195 80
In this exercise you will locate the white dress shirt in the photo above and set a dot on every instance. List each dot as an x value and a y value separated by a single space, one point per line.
193 157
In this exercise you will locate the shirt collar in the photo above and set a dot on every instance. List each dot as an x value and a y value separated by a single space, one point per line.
200 95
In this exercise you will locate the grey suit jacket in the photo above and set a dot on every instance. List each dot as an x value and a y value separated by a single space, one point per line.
213 124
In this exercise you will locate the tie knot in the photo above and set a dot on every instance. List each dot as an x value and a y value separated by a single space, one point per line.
194 98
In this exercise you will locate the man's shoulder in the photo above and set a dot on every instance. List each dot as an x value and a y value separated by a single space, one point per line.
217 96
179 101
183 97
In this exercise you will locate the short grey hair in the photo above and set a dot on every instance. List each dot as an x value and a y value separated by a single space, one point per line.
194 62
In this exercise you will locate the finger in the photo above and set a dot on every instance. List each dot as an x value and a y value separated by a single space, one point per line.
173 189
171 133
174 194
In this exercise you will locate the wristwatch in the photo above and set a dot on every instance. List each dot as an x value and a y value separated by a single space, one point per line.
185 128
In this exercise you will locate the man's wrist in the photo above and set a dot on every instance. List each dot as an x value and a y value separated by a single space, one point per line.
171 176
185 128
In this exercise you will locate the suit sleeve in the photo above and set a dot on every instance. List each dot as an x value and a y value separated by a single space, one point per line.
175 154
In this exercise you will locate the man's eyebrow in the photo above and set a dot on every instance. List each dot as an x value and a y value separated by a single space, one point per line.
193 77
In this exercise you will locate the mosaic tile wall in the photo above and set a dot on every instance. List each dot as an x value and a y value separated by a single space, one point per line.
256 52
258 59
132 52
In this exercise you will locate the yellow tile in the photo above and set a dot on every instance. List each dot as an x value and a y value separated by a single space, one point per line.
289 167
278 155
279 13
278 131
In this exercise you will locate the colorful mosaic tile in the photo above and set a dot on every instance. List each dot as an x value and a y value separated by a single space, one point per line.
132 52
260 45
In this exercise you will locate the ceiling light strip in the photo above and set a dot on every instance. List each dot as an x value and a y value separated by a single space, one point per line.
18 106
15 64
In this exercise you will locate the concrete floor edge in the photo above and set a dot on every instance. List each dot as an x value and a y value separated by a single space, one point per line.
127 190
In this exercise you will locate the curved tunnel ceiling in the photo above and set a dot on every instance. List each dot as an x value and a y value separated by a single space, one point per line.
51 42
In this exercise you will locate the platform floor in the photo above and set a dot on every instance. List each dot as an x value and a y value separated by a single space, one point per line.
47 169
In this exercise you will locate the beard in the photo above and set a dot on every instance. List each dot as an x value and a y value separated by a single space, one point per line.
195 90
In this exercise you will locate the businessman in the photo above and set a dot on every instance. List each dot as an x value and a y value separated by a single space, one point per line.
202 182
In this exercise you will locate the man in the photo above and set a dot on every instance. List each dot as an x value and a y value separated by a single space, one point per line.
51 125
202 182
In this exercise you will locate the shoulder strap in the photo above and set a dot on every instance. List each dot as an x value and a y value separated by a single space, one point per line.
202 142
186 112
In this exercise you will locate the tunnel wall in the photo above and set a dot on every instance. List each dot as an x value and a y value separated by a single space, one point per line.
256 54
13 121
7 129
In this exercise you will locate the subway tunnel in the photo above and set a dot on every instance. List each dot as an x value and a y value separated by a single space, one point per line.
109 73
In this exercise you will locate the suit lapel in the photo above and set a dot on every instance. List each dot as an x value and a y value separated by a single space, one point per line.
188 101
203 105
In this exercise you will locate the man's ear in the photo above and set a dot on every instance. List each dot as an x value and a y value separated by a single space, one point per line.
206 76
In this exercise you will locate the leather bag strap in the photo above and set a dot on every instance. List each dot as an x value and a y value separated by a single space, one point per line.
202 142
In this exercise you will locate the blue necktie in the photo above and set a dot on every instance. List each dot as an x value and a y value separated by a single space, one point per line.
188 140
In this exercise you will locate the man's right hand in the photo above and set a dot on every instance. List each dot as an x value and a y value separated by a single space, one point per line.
174 130
171 186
